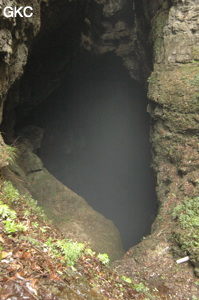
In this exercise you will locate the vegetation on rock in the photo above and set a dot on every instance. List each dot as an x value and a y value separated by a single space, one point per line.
36 259
187 236
7 154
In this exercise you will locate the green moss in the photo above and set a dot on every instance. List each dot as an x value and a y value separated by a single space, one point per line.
176 88
195 53
187 234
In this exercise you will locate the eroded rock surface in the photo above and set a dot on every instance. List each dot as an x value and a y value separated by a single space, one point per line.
173 89
171 28
16 34
69 212
119 27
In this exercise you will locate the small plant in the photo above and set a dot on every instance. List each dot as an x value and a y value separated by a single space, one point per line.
9 193
7 155
27 213
35 225
104 258
127 279
8 215
90 252
140 287
34 206
12 227
6 212
194 298
71 251
43 229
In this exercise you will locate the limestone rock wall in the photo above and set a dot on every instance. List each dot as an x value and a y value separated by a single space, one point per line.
173 89
174 105
16 35
119 27
53 49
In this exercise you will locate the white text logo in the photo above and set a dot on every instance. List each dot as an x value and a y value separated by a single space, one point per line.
13 12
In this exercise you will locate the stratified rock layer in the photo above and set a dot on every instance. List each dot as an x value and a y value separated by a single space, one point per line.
173 91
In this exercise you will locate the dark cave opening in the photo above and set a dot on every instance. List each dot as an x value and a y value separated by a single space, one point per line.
96 141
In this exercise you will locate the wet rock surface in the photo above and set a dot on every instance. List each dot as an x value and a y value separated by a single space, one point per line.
69 212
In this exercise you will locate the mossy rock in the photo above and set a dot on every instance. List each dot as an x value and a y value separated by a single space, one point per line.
176 88
195 53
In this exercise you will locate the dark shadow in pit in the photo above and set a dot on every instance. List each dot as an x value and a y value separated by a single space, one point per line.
96 142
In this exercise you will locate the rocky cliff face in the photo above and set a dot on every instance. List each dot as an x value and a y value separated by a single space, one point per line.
157 36
16 35
173 90
47 63
121 28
